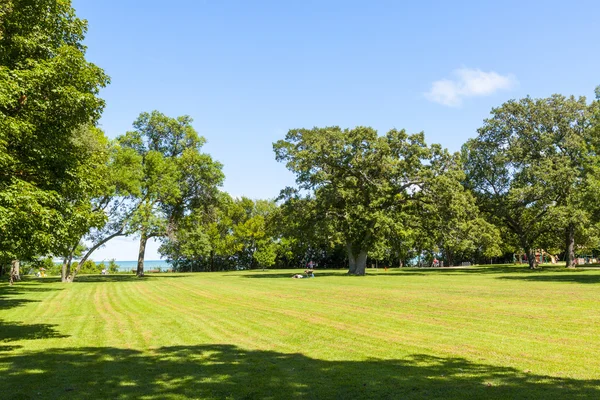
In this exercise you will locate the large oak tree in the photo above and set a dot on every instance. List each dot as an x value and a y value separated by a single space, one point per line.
529 168
359 180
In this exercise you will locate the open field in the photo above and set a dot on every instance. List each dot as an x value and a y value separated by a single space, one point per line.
490 332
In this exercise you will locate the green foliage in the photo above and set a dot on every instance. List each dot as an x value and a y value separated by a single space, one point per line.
89 267
528 167
112 266
45 264
47 92
230 234
177 178
450 219
359 184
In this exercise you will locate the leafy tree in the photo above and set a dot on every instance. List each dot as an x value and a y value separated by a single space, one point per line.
251 233
204 239
47 91
451 218
177 177
265 253
527 168
304 235
116 177
89 182
233 233
358 180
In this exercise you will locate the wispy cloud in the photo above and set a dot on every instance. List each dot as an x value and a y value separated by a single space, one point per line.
468 83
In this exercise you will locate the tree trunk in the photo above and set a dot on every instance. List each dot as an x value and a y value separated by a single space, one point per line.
361 263
531 258
450 258
71 278
570 247
15 274
351 259
141 254
65 272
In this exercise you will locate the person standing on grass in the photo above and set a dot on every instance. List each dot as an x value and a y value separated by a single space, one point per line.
310 269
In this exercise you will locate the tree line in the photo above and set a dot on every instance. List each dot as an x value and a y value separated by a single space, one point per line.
526 181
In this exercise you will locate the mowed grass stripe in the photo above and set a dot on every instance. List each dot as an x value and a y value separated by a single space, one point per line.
518 322
368 331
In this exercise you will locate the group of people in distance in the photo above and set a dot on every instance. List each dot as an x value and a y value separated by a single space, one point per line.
309 271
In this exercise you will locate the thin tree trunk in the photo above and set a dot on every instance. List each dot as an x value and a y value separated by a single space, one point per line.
90 251
141 254
570 247
531 258
65 273
15 274
450 258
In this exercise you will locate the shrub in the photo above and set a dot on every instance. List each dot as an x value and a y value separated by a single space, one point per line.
89 267
113 266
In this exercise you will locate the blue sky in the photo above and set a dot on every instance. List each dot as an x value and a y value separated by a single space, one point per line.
248 71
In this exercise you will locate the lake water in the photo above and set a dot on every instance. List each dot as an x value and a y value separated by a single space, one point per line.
126 266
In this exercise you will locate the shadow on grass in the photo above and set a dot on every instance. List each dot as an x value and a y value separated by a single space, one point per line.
106 278
480 269
225 371
565 277
7 303
499 269
12 331
10 295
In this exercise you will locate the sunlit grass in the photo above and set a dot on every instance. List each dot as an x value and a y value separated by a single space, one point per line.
493 332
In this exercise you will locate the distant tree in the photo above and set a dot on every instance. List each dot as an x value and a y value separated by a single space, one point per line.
177 176
233 233
304 235
358 180
251 232
47 92
527 167
451 219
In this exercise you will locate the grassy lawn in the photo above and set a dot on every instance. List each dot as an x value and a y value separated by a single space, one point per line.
493 333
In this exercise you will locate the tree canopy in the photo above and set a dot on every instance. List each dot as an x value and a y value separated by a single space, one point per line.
48 92
528 166
177 176
360 181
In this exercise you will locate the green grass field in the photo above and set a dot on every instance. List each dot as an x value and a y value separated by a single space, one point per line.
490 332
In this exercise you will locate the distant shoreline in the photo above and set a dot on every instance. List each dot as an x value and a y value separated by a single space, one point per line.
128 265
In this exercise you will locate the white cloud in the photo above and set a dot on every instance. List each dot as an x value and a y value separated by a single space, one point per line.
468 83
